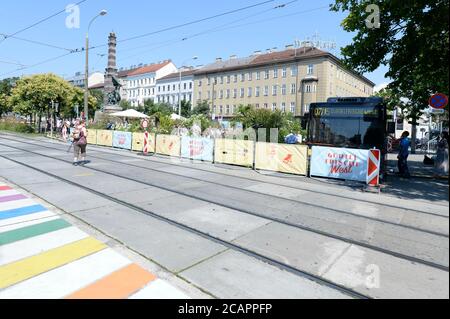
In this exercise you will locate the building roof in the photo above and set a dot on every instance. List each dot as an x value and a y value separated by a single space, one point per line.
97 86
148 69
176 75
289 55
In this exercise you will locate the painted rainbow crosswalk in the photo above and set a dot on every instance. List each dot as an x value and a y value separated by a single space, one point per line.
42 256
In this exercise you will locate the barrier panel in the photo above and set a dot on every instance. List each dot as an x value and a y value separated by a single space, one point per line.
168 145
105 138
138 142
236 152
197 148
341 163
284 158
122 140
92 136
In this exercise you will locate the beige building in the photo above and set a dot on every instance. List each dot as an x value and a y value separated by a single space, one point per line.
288 80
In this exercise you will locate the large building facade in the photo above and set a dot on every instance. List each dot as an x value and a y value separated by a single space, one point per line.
139 84
288 80
171 89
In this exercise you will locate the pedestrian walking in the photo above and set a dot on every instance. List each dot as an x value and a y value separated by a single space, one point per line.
79 143
403 155
441 161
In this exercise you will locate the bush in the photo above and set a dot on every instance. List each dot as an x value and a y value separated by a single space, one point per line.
16 127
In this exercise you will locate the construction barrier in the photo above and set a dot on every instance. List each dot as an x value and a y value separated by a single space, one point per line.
122 140
92 137
105 138
138 142
342 163
235 152
168 145
373 168
284 158
197 148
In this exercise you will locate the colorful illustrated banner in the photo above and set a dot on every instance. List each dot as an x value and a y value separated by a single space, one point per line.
105 138
201 149
236 152
341 163
168 145
284 158
138 142
122 140
92 137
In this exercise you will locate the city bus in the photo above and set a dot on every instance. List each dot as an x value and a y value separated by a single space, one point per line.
348 122
359 123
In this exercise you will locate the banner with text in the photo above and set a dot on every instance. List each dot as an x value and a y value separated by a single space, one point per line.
168 145
197 148
92 137
236 152
341 163
284 158
104 138
122 140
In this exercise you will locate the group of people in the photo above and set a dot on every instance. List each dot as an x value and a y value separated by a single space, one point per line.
440 162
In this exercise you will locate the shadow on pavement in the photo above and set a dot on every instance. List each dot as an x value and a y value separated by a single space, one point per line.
418 189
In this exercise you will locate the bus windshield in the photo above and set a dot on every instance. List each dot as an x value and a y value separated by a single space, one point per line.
350 126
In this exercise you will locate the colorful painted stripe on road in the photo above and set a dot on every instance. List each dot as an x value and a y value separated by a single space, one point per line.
44 256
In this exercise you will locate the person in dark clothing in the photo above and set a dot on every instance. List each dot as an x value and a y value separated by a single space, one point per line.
403 155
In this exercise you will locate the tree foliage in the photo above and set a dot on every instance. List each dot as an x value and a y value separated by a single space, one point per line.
202 108
413 40
6 87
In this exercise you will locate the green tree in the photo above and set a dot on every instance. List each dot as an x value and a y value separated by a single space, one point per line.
412 40
125 105
202 108
6 87
186 107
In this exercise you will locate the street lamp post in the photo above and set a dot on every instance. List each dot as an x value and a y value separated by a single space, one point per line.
179 85
86 73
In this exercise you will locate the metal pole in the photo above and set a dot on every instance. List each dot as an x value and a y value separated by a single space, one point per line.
51 120
86 84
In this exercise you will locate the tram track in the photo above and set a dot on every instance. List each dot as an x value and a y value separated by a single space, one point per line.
245 211
228 244
241 178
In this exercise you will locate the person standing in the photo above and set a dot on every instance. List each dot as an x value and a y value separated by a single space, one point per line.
403 155
441 162
79 143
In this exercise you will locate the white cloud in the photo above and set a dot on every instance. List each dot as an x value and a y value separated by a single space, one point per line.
379 87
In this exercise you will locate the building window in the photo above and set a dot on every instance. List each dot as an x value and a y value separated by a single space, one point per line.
308 88
274 106
228 93
234 93
294 70
275 73
228 79
274 90
221 109
249 92
292 107
258 75
242 77
257 105
221 94
250 76
209 81
266 90
190 85
242 92
228 110
257 91
266 106
266 74
283 89
310 69
221 80
293 88
235 78
306 108
284 72
283 107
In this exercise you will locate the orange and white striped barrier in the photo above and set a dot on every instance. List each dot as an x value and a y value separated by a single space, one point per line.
373 168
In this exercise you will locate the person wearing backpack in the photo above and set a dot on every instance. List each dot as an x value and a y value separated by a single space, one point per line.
79 143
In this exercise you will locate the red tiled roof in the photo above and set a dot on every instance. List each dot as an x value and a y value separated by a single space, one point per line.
148 69
177 74
286 55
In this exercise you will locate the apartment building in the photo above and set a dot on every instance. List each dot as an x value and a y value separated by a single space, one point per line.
288 80
170 88
139 84
95 79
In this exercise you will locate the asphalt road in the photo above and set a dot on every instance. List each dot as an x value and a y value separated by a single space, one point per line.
236 233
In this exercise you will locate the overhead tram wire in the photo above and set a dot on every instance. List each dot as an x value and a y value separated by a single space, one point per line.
38 43
38 22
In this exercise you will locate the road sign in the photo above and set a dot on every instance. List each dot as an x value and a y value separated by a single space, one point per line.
144 124
438 101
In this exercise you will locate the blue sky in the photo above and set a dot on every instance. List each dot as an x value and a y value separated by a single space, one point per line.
241 33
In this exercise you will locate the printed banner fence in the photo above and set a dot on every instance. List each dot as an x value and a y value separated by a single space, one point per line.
284 158
92 137
236 152
341 163
122 140
105 138
197 148
168 145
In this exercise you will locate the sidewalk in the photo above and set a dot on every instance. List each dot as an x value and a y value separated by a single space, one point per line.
44 256
415 164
